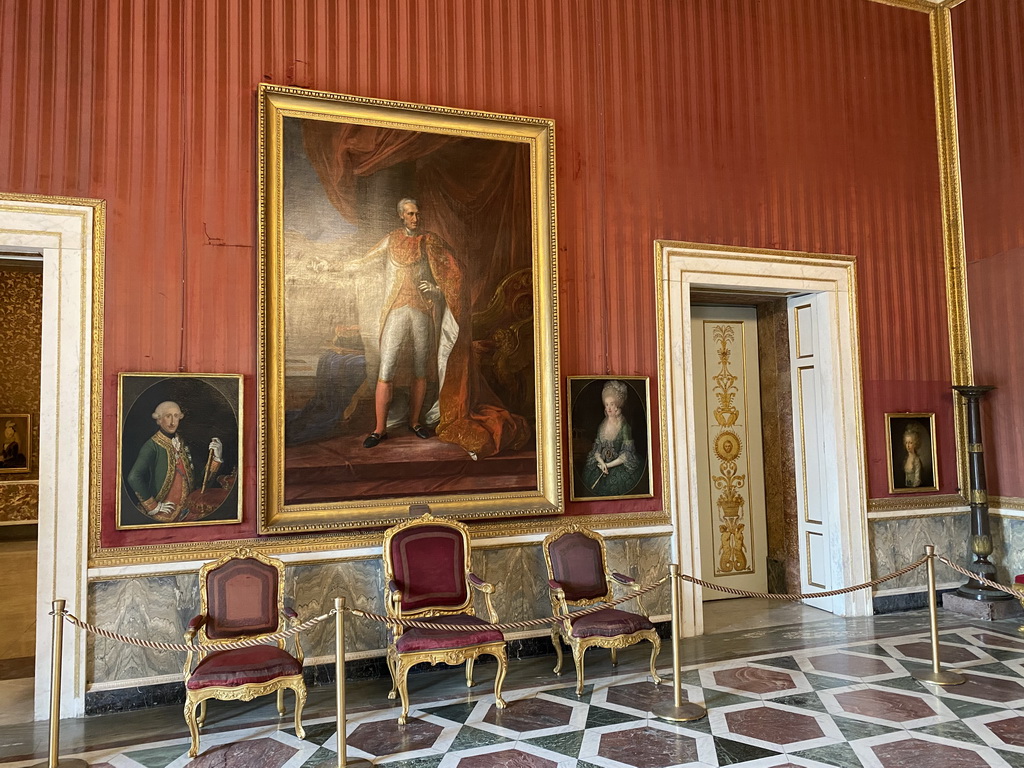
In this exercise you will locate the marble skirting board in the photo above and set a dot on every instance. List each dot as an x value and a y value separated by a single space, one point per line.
899 541
159 607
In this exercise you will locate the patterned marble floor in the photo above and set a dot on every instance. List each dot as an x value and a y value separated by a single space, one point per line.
852 705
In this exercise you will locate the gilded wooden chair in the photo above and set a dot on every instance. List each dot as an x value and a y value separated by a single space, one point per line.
427 577
577 577
241 599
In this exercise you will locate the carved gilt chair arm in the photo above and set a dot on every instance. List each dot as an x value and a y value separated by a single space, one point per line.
293 621
190 633
487 589
393 605
558 605
630 582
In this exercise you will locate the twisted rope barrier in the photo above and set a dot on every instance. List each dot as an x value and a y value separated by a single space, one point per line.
187 647
805 595
987 582
514 625
417 624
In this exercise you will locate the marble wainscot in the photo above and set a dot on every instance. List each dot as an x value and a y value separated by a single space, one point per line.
158 607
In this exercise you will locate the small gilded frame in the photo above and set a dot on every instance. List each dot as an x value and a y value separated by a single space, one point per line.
179 449
610 437
911 452
407 313
17 443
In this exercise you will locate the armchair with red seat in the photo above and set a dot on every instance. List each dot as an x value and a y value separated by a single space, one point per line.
241 599
427 577
578 577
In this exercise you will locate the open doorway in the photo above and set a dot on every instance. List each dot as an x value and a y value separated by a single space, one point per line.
21 285
827 419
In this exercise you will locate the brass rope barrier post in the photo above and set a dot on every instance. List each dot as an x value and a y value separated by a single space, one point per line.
339 650
935 674
678 711
55 672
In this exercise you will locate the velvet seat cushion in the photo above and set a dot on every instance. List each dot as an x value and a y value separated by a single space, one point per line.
243 666
609 623
415 639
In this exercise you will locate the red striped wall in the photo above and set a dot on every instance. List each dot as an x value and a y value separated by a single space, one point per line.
990 104
794 124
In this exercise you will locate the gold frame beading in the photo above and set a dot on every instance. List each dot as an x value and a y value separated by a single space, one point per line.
248 691
399 664
560 606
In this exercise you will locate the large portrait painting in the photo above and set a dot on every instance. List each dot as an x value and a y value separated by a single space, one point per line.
408 312
179 449
610 433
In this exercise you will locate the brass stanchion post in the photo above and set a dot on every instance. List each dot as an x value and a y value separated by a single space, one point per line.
57 652
678 712
339 650
935 674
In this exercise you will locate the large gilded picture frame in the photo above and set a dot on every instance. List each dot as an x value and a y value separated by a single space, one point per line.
408 312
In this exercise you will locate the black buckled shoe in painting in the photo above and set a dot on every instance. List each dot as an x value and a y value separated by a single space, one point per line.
373 439
419 431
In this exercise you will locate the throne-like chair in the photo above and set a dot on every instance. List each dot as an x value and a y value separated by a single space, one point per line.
241 599
577 577
427 577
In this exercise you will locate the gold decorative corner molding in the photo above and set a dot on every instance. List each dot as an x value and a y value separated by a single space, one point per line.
940 501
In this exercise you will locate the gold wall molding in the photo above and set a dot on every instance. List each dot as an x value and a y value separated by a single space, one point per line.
926 502
288 545
957 310
1005 502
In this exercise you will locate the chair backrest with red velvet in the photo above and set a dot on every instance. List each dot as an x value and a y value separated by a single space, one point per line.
575 559
428 559
241 596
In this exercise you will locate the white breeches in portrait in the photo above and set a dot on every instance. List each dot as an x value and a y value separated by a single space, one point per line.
402 324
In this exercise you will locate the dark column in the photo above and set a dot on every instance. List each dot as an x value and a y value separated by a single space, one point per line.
981 535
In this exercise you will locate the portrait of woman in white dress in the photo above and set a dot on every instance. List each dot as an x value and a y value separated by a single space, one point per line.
911 452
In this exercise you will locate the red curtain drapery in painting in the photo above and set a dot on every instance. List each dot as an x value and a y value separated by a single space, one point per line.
473 193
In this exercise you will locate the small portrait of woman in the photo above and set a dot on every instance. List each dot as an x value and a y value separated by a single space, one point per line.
911 452
17 432
609 426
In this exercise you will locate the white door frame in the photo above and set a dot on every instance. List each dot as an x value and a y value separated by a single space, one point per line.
69 233
681 267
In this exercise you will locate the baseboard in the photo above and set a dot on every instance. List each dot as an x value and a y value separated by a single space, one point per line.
906 601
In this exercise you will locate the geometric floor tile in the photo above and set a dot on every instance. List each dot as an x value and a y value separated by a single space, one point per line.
843 704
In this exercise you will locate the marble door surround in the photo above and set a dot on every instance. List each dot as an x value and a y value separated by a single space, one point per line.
684 267
69 234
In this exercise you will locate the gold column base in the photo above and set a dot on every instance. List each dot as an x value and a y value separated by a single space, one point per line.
684 713
939 678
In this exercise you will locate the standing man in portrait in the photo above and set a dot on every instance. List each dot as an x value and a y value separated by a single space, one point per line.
163 474
412 313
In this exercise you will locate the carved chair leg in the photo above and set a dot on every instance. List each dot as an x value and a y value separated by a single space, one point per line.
469 671
300 702
392 663
556 640
280 702
499 678
577 655
402 683
202 713
193 727
615 657
655 649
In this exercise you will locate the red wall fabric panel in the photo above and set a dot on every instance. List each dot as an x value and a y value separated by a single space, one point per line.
793 124
990 106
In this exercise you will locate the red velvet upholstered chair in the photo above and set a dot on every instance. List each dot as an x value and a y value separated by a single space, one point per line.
426 573
241 599
577 577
